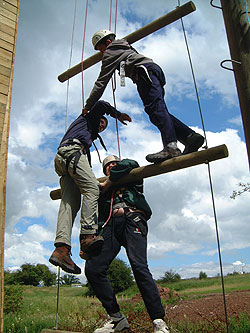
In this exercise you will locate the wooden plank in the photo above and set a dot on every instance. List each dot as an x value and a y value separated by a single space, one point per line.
2 108
8 30
4 89
5 62
6 54
3 99
6 13
5 71
6 46
173 164
148 29
4 79
7 21
6 37
12 2
11 8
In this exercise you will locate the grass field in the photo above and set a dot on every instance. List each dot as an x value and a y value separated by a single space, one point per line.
81 314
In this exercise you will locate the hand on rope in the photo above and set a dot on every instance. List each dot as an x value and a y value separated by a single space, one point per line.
124 117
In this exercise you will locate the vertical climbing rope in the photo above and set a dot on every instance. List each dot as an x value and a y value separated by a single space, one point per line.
113 80
70 59
83 46
66 125
209 171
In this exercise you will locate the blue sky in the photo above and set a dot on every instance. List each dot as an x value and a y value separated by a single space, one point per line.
182 230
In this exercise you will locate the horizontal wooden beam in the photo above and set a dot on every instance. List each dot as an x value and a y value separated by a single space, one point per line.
176 163
148 29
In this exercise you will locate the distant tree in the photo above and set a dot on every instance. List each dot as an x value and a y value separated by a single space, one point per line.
48 277
69 279
244 188
120 277
29 274
202 275
170 276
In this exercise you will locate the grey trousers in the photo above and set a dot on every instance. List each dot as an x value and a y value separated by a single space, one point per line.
84 183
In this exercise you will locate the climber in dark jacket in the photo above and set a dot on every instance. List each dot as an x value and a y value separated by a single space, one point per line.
72 164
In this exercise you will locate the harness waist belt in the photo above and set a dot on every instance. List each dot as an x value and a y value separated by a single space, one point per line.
70 142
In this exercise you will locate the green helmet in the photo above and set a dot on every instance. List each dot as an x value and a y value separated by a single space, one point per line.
107 160
100 35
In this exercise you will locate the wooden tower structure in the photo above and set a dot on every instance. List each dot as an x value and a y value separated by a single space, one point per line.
9 11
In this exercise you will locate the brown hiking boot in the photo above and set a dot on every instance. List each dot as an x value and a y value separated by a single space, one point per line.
61 257
91 244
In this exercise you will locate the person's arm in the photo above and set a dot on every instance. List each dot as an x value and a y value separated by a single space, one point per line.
102 107
108 67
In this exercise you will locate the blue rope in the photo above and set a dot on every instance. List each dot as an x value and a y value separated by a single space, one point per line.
247 12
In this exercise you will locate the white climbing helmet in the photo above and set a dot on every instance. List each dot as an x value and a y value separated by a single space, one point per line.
107 160
99 35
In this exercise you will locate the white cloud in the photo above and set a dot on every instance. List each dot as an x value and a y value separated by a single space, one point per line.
182 219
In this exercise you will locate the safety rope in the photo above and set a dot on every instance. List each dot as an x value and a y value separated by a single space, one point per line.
113 80
57 298
83 46
70 59
209 171
66 125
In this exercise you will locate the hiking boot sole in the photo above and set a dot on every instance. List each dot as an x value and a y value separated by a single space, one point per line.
67 268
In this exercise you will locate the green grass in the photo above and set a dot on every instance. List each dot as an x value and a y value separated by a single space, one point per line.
83 314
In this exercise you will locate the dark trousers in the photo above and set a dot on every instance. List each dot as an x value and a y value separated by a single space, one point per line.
152 96
124 231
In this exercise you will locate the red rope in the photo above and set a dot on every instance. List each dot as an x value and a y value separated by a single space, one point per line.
110 14
111 208
83 45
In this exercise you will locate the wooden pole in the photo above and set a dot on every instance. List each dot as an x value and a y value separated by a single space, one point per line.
148 29
176 163
9 11
236 21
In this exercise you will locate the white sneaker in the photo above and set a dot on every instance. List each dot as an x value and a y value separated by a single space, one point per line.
113 324
160 326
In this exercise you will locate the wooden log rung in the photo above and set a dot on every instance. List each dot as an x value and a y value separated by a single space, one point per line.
148 29
176 163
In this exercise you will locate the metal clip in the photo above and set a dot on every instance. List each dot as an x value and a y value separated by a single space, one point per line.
231 60
211 3
122 73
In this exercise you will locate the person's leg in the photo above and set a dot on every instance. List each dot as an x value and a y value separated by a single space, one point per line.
87 183
189 138
69 206
85 180
96 271
152 95
136 247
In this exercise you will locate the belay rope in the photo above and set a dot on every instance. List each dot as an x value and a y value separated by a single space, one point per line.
209 172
